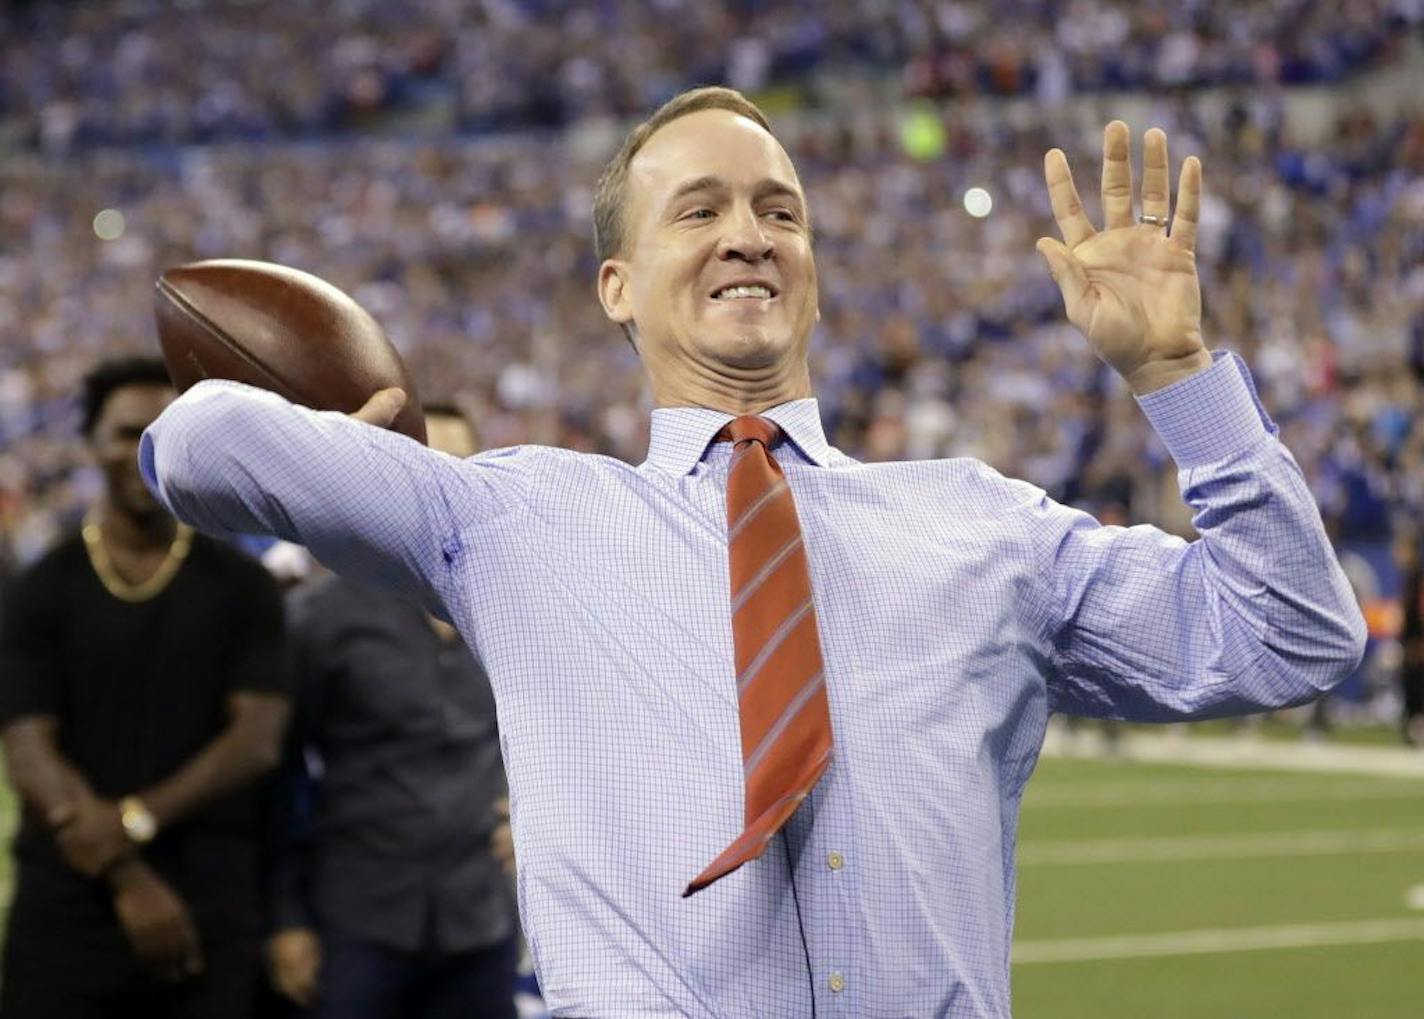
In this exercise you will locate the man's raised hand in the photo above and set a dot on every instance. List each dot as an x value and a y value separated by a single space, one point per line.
1131 288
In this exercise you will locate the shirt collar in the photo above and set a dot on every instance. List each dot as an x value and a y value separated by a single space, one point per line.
681 435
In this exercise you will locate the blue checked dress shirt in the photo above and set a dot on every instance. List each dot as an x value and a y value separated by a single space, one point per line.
957 608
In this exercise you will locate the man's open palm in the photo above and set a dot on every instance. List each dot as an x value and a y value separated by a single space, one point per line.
1131 288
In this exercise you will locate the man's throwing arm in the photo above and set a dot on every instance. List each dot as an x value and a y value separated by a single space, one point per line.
372 504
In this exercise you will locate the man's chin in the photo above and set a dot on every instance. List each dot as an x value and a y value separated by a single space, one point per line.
142 508
750 350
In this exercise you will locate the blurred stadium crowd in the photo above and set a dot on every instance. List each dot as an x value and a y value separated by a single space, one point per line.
941 332
117 72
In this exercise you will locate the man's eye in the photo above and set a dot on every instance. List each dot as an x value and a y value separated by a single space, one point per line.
701 214
785 215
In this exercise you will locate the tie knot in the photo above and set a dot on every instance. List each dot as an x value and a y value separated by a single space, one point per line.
750 426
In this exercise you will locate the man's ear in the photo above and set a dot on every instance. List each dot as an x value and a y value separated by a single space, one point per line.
613 291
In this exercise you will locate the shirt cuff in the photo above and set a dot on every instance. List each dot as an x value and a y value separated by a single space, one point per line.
147 448
1211 416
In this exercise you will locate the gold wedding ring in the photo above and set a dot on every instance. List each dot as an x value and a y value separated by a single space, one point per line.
1153 220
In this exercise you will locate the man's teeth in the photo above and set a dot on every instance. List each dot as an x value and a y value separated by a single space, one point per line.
757 291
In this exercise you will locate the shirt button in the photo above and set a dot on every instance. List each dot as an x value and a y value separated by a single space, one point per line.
835 860
837 983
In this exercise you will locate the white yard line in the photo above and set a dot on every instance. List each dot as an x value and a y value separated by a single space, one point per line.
1061 852
1151 793
1227 939
1172 746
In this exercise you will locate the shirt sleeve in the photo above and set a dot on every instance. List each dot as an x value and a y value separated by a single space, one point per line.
1255 614
287 847
31 668
369 503
295 786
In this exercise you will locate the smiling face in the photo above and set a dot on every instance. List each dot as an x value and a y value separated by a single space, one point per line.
716 275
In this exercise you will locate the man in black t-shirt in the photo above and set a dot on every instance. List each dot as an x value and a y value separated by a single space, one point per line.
142 691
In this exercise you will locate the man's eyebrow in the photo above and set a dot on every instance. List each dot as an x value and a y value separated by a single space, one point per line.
700 184
776 188
770 187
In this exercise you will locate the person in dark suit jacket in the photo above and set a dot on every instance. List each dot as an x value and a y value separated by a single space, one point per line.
388 897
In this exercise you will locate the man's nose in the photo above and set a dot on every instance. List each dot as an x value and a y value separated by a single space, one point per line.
743 238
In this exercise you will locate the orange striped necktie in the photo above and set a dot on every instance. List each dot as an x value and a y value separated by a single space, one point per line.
781 689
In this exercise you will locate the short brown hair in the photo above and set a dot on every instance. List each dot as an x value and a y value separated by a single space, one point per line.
610 196
107 377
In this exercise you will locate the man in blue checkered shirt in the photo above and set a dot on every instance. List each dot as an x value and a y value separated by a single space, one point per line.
955 608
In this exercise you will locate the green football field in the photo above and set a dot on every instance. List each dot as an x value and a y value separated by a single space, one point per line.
1150 890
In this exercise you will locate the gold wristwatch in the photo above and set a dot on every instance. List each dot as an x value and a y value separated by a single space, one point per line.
138 821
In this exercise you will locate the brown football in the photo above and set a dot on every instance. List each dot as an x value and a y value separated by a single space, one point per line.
282 329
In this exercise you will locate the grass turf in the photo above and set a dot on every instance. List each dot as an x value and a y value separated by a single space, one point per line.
1133 809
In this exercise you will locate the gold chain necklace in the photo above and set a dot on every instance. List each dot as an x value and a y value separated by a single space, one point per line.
117 585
